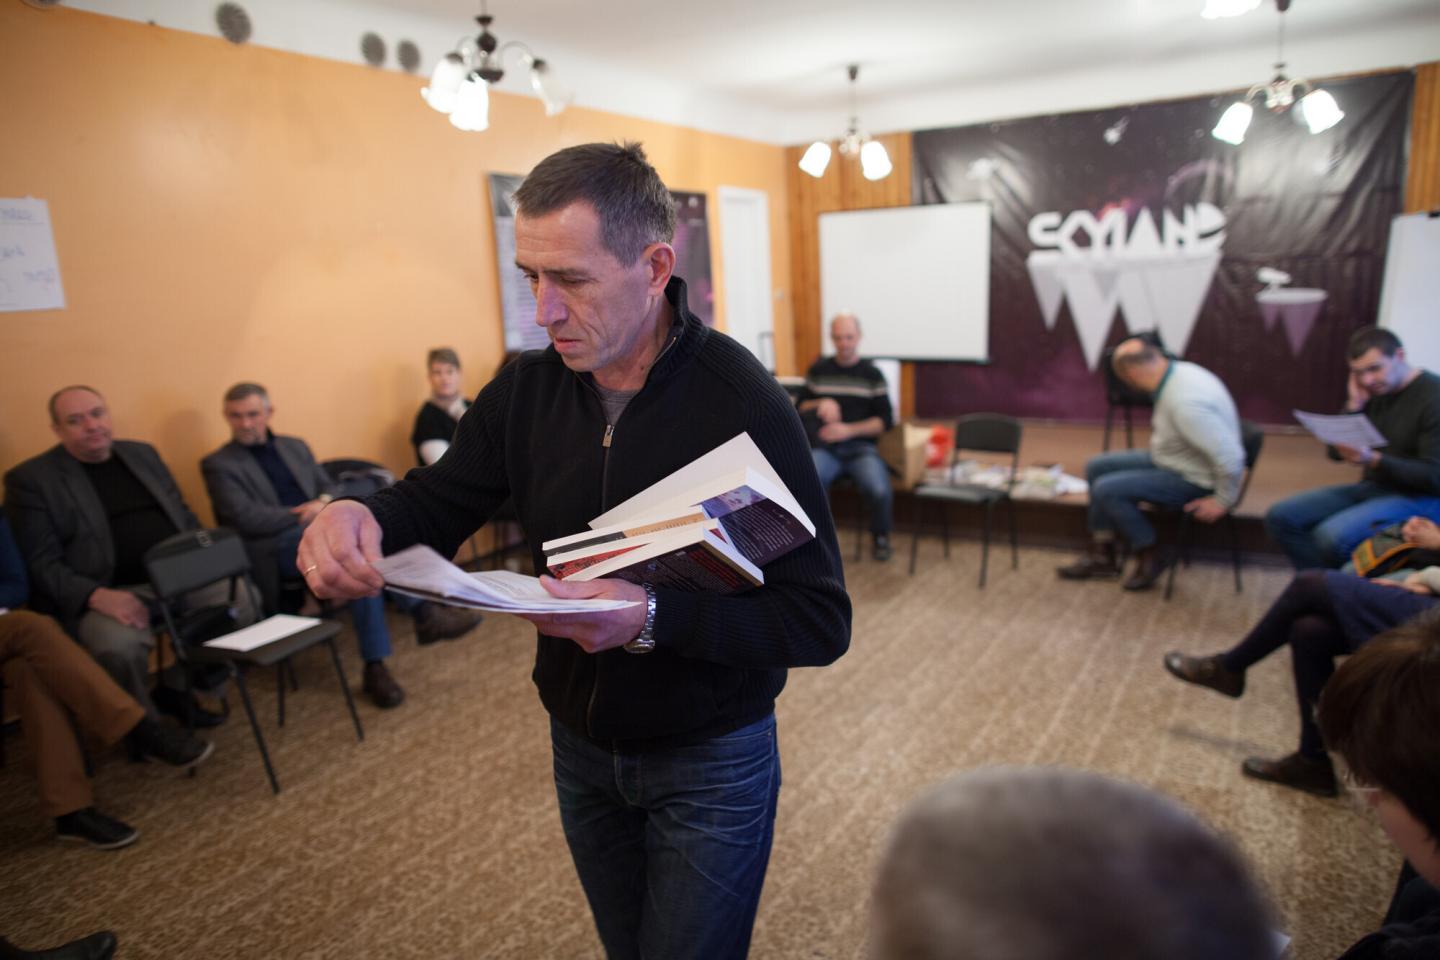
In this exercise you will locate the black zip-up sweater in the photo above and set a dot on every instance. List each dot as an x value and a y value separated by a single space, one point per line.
537 433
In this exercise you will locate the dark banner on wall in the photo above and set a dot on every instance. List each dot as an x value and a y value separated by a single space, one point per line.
1138 219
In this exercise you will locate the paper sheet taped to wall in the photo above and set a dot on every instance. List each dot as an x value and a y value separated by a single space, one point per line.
29 269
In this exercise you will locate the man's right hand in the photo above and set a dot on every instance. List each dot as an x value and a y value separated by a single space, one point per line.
1356 396
120 605
336 552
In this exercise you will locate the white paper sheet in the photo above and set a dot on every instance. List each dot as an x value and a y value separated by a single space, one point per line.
29 268
421 572
1342 430
269 630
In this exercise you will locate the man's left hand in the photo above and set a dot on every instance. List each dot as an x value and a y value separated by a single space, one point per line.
593 632
1359 456
835 432
1206 509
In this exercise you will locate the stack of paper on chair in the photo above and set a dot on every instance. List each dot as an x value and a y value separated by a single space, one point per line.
709 526
421 572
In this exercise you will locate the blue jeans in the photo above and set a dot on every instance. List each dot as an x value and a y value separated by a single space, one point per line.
1321 528
671 846
859 460
372 635
1119 481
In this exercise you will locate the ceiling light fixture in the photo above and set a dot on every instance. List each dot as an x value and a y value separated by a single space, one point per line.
459 85
874 160
1316 109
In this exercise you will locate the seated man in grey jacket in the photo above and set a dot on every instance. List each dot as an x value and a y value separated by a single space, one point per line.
1195 461
269 488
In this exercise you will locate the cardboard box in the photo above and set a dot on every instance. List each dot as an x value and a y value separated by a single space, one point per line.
902 447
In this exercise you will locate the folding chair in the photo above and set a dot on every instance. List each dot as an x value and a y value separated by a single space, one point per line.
1252 438
983 433
194 559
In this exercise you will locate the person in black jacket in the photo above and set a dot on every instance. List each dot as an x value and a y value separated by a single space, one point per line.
1320 528
435 423
662 713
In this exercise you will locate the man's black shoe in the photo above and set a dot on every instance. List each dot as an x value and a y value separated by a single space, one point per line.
881 551
1206 672
95 828
381 688
97 946
1296 771
177 704
1099 563
436 621
1147 570
169 745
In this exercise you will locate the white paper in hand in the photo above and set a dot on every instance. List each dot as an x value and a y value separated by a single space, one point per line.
419 571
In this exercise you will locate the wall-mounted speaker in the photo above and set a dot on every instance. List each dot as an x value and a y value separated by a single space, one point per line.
409 56
233 22
372 48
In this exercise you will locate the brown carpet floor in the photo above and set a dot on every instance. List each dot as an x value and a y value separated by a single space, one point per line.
438 837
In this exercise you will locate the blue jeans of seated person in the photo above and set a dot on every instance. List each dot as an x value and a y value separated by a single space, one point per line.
671 846
862 463
1119 481
372 635
1321 528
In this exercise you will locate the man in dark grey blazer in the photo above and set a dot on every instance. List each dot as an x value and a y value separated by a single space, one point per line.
269 488
84 513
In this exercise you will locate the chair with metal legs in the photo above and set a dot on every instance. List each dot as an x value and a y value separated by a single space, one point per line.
981 433
195 559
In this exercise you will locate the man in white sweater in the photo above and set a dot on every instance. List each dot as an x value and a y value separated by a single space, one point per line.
1195 461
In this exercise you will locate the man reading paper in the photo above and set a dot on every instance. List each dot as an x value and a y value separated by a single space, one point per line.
1320 528
662 713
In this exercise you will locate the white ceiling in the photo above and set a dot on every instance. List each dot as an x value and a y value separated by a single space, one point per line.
773 70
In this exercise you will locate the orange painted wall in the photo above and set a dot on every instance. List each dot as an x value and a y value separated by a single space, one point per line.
229 213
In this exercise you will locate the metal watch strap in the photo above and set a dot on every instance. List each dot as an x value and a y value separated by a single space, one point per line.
645 642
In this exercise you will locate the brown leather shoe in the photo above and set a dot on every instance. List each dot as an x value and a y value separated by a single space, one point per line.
380 687
435 621
1099 563
1206 672
1296 771
1147 570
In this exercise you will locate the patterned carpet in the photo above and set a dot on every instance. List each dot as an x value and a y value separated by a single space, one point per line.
438 838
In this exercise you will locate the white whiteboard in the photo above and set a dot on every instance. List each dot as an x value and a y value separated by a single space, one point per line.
1410 298
917 277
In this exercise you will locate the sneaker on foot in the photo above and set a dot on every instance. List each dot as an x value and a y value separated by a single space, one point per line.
169 745
1206 672
1296 771
95 828
380 687
435 621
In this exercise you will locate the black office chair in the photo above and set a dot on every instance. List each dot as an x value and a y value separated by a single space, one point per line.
1252 438
1121 396
194 559
983 433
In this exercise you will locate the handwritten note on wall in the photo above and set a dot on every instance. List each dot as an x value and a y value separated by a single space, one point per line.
29 269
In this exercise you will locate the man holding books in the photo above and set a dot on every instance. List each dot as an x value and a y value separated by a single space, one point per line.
846 405
662 712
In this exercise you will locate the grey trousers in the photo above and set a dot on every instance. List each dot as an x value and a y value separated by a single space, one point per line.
124 651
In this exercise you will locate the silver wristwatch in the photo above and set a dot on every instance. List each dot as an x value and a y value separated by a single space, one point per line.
645 642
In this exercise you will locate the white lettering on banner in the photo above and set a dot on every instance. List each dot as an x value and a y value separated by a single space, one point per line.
1157 276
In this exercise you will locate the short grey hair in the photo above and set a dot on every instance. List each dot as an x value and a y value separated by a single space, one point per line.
242 390
634 206
1051 864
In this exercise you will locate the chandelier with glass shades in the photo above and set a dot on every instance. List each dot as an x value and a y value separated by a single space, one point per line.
874 161
1316 108
459 85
